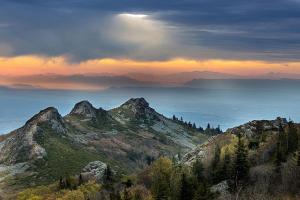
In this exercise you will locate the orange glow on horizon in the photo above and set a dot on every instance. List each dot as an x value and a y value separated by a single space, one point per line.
32 65
29 65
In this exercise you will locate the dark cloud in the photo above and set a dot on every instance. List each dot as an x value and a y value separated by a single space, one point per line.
87 29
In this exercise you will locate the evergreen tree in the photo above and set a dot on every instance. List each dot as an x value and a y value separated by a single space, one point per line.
208 127
292 138
215 170
80 179
194 126
218 130
278 158
197 170
225 171
108 179
203 192
186 192
108 175
241 164
282 144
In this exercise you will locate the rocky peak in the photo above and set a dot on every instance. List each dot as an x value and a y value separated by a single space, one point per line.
46 115
137 102
21 145
49 115
135 109
85 109
138 106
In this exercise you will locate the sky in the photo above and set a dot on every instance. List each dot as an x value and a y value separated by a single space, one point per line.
69 37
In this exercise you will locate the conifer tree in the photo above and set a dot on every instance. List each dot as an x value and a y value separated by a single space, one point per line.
186 192
203 192
197 171
194 126
225 171
215 170
80 179
282 144
292 138
208 126
241 164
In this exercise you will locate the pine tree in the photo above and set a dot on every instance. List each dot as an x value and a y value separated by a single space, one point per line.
197 170
292 138
194 126
203 192
186 192
208 126
108 179
241 164
108 175
282 144
80 179
215 170
278 158
225 171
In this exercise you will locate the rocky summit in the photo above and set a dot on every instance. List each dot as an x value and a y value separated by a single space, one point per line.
126 137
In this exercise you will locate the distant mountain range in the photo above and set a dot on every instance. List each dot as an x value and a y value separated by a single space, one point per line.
103 81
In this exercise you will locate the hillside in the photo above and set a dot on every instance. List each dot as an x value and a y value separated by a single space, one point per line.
127 137
272 157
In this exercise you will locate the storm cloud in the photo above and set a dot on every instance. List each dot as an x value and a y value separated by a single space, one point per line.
151 30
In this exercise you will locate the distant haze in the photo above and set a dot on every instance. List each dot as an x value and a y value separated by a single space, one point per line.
220 102
104 81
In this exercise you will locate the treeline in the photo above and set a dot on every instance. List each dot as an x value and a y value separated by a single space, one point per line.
209 130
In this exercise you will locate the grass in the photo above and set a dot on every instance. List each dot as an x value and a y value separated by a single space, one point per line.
62 157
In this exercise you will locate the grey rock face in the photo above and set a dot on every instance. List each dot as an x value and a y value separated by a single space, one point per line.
21 145
94 170
49 115
85 109
251 128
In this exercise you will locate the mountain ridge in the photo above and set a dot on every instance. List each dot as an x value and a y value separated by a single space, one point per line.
125 137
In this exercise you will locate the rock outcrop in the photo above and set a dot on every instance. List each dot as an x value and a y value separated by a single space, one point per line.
84 109
94 171
135 109
21 145
258 126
